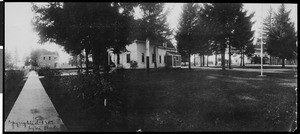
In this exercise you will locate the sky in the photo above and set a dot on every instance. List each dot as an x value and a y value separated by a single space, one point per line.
20 38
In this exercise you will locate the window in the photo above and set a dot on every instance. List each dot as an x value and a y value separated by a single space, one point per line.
160 59
44 58
128 58
143 57
49 58
153 58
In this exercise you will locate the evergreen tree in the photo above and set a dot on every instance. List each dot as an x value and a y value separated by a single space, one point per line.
221 17
268 23
282 37
186 35
152 27
205 45
93 27
242 37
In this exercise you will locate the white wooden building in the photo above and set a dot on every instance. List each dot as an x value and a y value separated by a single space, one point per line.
160 55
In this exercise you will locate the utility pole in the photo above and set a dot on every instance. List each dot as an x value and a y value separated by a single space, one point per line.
261 49
261 57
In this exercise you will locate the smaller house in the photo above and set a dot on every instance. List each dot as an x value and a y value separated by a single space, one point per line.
49 60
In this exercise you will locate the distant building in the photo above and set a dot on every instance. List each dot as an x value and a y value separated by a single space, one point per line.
161 54
271 60
257 55
49 60
213 59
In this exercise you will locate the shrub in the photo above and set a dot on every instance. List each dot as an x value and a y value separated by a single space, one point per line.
14 75
47 72
133 64
11 78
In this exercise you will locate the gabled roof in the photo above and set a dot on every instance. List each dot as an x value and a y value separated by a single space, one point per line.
48 53
169 44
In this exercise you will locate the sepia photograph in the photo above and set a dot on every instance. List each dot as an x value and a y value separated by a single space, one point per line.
149 67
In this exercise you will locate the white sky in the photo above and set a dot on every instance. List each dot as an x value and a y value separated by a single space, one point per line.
20 37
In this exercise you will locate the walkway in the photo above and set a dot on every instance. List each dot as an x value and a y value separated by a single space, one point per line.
33 110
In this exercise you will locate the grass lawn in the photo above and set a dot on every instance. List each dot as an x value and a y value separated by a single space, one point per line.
197 100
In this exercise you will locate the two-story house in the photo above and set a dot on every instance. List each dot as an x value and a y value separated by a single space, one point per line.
49 60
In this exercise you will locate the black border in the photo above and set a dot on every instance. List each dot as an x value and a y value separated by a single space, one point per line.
2 35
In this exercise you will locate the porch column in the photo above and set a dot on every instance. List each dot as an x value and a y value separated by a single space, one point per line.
147 54
207 60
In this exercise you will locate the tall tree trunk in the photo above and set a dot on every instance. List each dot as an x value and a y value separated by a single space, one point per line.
96 63
194 59
283 63
229 58
223 58
77 63
189 61
155 56
243 59
87 61
207 61
203 63
216 59
80 58
241 64
270 62
200 60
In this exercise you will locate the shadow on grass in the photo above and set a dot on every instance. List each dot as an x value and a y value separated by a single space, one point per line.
180 86
196 100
